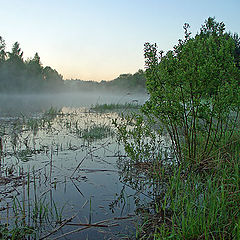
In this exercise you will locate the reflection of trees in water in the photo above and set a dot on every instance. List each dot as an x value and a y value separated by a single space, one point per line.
145 179
149 163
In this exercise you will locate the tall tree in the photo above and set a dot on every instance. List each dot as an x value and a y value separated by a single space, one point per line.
34 65
2 50
16 53
34 71
52 78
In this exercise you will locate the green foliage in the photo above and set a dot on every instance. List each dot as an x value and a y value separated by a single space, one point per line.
202 207
128 81
114 106
96 132
195 98
186 204
17 75
17 53
17 233
194 90
2 50
51 76
141 141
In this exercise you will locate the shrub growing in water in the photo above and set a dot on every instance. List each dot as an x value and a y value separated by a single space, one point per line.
194 90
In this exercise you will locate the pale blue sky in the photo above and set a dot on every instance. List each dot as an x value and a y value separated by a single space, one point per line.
100 39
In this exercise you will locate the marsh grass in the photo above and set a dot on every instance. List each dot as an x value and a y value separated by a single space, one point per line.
53 112
191 200
30 213
201 205
96 132
115 106
17 233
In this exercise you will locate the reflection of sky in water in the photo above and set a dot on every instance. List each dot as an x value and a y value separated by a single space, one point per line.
17 104
95 180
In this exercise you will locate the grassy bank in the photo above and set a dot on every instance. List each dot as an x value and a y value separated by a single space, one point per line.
191 200
202 204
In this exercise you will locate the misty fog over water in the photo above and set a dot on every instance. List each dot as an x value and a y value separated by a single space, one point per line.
12 104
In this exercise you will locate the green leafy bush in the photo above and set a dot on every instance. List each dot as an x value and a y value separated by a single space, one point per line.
194 90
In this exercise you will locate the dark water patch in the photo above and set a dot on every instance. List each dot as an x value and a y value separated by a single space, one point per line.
51 172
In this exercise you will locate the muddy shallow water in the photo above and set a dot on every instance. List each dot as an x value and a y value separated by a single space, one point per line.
62 166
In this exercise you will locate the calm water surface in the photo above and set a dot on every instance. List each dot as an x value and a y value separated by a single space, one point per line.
69 164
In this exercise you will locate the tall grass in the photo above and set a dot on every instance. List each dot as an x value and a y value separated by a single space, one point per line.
29 217
191 200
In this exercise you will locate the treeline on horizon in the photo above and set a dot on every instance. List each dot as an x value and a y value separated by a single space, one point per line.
30 76
131 82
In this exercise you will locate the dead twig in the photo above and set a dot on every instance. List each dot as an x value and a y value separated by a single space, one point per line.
97 224
82 228
92 225
62 225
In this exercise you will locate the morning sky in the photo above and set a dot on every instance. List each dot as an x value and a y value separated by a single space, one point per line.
100 39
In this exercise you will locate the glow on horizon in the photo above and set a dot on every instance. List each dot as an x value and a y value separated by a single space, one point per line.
99 40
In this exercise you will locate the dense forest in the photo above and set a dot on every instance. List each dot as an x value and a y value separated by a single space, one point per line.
19 75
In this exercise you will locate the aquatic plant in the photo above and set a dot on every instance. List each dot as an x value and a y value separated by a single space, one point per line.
30 213
96 132
115 106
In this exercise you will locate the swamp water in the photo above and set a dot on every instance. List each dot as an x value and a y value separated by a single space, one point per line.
61 174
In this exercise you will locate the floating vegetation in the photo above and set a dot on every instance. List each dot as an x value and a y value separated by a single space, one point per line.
115 106
97 132
53 112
